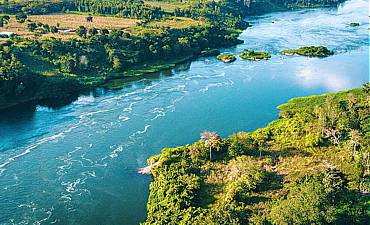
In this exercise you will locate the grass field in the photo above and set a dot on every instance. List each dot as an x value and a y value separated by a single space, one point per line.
72 21
176 23
68 21
168 7
171 22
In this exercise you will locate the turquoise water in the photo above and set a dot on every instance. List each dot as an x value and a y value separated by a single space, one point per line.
78 164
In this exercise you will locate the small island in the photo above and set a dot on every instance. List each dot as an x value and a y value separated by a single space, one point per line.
256 56
227 57
354 24
311 51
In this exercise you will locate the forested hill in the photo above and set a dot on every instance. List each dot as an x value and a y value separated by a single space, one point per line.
310 166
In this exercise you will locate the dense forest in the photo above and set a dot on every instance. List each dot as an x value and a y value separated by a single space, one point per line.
310 166
94 55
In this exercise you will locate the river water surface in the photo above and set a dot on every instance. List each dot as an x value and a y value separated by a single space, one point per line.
78 164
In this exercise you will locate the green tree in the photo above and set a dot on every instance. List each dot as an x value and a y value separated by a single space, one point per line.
32 26
4 20
93 31
306 203
116 63
104 31
89 19
53 29
21 18
81 31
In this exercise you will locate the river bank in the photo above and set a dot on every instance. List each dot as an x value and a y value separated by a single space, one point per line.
114 81
78 164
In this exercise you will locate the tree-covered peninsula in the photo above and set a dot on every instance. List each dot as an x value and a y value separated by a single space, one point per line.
51 49
310 166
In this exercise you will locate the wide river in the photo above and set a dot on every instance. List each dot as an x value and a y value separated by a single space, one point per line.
78 164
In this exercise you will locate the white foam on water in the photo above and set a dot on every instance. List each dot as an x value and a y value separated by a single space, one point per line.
143 131
159 112
31 147
17 182
52 138
48 216
115 152
123 118
353 6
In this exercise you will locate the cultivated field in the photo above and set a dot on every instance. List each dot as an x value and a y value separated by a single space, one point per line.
68 21
73 21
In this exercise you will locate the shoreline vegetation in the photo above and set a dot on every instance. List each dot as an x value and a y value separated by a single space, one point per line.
52 50
310 166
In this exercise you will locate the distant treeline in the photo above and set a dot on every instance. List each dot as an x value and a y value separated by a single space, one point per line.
129 8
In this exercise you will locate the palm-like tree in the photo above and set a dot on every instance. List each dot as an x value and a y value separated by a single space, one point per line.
212 141
355 139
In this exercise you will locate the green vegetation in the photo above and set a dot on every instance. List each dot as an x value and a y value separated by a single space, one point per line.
310 166
227 57
92 50
256 56
354 24
311 51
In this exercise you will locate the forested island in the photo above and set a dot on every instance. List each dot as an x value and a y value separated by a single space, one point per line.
310 166
253 55
52 49
310 51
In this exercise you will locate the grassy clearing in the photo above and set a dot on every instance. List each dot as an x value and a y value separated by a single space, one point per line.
170 22
168 7
72 21
176 23
68 21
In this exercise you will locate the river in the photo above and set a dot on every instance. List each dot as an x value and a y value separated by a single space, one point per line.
78 164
